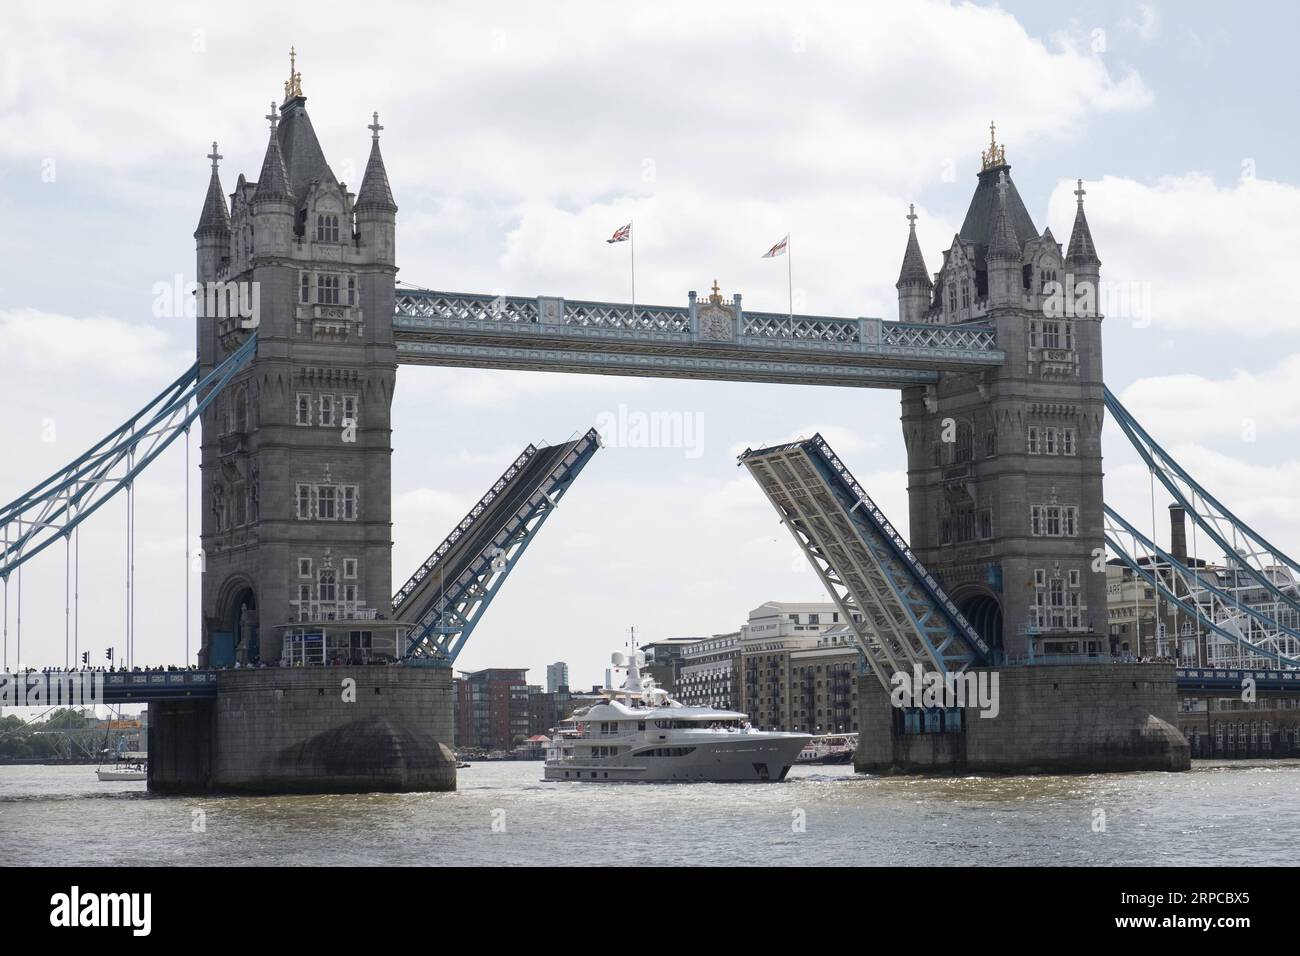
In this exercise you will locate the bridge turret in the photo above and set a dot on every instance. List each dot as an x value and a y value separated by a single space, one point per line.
296 450
1081 260
915 287
375 209
212 237
1003 256
272 204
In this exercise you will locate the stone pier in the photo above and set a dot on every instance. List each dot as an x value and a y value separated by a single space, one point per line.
301 730
1058 718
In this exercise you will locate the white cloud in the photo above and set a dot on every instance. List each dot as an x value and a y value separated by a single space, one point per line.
1208 257
1245 406
1144 21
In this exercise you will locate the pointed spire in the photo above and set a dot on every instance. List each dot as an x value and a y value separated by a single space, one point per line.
913 262
293 85
273 183
1003 243
215 218
1081 251
375 192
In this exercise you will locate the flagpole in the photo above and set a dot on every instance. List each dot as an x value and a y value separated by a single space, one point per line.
631 234
789 273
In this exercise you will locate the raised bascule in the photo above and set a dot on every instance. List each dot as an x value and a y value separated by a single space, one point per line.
302 326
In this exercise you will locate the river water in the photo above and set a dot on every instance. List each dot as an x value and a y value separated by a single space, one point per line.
503 813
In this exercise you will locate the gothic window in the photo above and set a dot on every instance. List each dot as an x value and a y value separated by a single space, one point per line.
990 443
965 295
350 594
239 499
1074 577
327 289
1051 335
348 502
1049 441
352 290
1052 521
349 568
327 410
350 408
327 228
986 524
327 585
1069 335
952 298
304 502
304 287
325 503
965 440
304 409
1067 441
1031 444
304 567
241 410
1045 277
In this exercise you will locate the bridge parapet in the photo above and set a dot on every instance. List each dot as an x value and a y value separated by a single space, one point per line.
716 338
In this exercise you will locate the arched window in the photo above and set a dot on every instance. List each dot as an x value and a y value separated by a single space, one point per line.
241 410
965 450
327 228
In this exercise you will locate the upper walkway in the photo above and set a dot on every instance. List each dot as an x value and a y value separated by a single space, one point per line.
704 339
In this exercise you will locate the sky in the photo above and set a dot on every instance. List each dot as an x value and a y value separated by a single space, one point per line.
518 136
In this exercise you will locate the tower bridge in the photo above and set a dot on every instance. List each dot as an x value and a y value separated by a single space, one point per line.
1002 404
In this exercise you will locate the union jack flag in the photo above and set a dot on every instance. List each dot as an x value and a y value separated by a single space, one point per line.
778 249
622 235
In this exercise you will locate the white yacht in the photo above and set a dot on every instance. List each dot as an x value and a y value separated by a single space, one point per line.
639 733
128 766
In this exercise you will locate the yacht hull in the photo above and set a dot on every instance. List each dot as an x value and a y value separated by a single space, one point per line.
751 760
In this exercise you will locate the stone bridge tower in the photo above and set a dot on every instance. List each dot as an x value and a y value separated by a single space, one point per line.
1004 467
296 529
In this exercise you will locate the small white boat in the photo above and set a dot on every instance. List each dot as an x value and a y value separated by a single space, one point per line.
639 733
829 749
130 765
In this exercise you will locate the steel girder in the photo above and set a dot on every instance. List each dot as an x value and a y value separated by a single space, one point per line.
449 610
49 511
899 613
556 334
1255 554
1226 618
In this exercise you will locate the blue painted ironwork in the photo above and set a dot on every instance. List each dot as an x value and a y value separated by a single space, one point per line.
1252 552
450 328
899 612
449 593
1232 680
1187 575
88 688
49 511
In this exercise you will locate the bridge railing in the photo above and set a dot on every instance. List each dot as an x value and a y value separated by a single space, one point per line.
428 308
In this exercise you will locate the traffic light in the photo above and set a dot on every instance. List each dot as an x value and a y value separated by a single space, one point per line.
85 658
108 653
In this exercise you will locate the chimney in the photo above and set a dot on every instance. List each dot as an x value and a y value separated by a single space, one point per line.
1178 533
